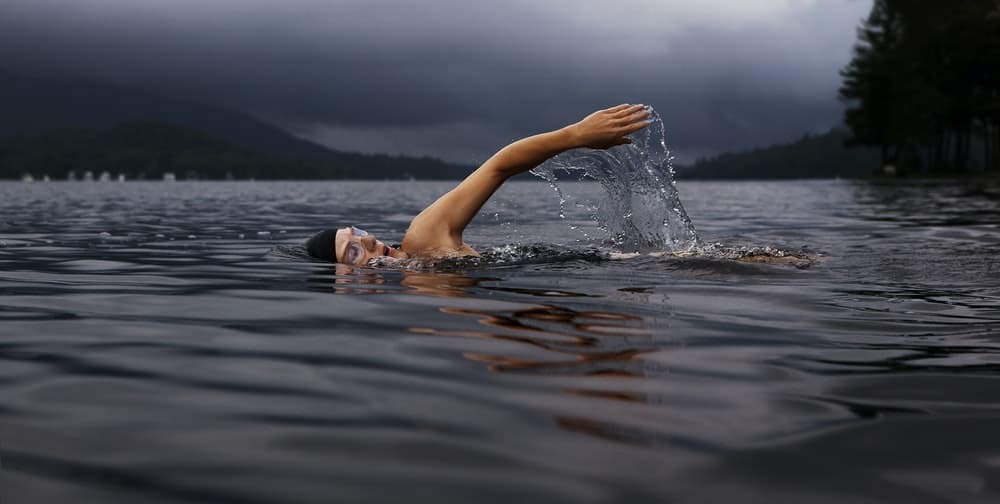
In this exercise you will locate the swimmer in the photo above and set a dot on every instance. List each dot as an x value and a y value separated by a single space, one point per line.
437 231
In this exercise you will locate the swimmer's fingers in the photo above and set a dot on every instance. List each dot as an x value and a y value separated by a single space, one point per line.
634 125
632 117
617 108
629 110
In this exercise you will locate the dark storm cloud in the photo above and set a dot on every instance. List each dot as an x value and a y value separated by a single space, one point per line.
455 78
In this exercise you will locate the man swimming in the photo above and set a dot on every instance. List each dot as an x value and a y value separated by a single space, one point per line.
437 230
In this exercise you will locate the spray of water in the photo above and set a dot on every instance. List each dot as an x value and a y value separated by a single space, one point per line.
641 210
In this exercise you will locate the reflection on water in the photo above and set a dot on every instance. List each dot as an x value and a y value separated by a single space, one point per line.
349 279
561 342
537 339
440 284
922 203
578 343
576 340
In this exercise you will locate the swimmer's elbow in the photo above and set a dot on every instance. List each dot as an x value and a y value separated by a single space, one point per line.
500 171
509 162
494 170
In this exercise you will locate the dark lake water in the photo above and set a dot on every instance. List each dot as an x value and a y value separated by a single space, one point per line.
168 343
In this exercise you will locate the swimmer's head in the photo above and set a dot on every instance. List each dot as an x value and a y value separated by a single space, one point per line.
349 245
321 245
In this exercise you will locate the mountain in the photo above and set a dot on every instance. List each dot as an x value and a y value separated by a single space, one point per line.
812 156
35 109
34 106
150 149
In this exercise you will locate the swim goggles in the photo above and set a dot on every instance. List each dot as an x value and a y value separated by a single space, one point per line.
354 252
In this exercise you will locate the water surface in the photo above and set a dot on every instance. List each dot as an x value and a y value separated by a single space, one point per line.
168 343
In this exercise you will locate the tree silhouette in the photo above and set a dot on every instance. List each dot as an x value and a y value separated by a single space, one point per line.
923 84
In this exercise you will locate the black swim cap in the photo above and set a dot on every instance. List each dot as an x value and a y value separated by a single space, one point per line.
321 245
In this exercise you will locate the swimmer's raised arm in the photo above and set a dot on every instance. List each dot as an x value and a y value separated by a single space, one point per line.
438 229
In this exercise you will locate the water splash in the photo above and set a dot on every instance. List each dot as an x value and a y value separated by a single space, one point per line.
642 210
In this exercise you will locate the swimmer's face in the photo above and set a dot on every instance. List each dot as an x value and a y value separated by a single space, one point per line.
355 246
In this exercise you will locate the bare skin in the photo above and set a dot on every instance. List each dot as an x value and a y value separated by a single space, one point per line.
437 230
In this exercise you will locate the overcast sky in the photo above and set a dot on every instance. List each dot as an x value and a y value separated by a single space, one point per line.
457 79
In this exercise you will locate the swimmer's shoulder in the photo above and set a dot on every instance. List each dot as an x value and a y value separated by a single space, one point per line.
432 238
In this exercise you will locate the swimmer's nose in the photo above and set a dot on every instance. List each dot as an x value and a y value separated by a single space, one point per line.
369 242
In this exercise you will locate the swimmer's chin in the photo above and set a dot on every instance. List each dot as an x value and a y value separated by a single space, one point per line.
388 255
395 253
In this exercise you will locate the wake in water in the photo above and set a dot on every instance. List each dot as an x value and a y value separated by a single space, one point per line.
798 258
544 254
641 210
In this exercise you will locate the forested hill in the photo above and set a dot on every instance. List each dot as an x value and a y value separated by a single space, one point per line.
52 127
812 156
150 149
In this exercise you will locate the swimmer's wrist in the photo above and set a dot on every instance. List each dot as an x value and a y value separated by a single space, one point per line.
571 137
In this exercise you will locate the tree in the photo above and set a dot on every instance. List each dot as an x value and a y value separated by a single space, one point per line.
922 85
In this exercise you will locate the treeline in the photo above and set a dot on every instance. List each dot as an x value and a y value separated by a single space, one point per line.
924 85
812 156
149 149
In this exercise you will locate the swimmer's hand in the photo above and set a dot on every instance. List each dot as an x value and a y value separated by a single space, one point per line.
609 127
